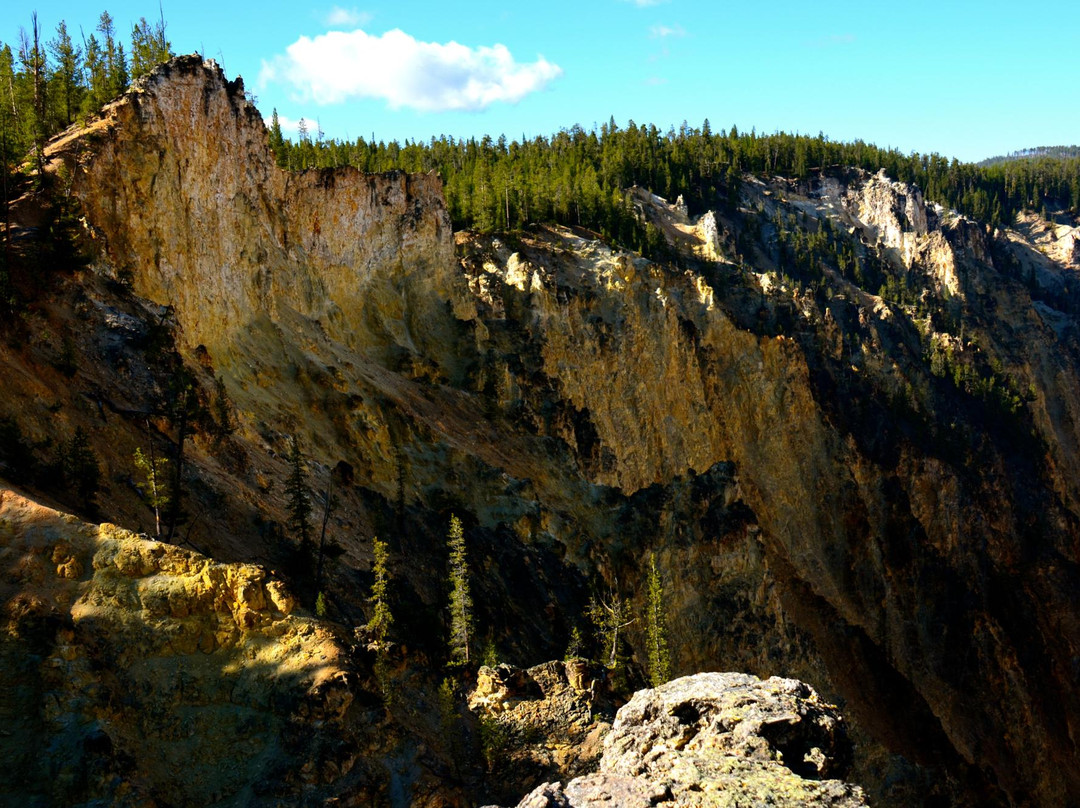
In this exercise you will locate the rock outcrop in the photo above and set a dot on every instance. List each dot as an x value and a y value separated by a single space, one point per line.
540 723
710 234
895 217
718 739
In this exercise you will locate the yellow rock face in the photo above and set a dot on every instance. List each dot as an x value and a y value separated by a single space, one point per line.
186 200
188 669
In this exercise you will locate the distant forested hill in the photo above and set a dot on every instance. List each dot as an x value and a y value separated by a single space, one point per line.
1054 152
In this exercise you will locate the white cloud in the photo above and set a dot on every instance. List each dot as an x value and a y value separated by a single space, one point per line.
428 76
339 17
655 81
645 3
662 31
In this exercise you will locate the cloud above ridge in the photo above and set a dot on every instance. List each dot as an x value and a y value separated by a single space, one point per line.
428 76
339 17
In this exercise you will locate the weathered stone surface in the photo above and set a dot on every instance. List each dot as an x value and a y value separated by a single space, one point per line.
735 714
541 725
722 739
547 795
710 234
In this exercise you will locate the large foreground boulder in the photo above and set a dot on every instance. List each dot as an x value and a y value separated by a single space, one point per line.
723 739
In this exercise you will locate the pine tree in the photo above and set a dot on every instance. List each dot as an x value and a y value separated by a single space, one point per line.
67 79
299 498
96 76
9 154
184 410
277 141
149 47
609 617
326 550
576 644
461 618
655 630
35 68
161 42
381 618
115 60
153 486
224 421
143 56
9 107
121 76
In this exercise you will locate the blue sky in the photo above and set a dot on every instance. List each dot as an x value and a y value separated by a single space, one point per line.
965 79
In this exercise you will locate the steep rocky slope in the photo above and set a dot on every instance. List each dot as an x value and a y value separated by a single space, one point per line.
875 494
134 670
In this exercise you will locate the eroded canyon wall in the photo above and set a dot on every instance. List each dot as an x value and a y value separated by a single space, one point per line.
823 502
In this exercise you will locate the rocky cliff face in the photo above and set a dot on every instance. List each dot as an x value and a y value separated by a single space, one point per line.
875 495
198 216
884 530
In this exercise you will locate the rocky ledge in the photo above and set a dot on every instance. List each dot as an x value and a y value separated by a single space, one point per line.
717 739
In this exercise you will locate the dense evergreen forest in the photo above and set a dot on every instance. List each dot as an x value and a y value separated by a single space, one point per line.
572 177
580 177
